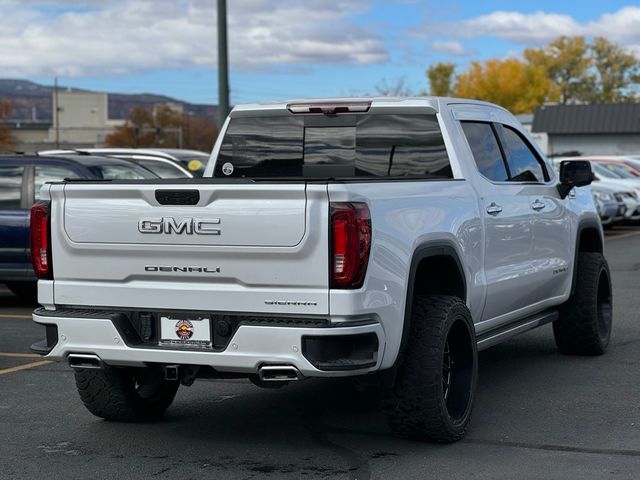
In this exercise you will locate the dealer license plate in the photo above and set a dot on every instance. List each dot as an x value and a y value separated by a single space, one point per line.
185 332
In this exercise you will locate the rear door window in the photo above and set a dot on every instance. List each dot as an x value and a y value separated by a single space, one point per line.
341 146
524 164
10 187
486 151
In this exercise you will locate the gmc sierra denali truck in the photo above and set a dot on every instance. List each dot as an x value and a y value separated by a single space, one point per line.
388 238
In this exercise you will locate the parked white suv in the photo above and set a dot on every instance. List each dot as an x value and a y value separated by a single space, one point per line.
385 237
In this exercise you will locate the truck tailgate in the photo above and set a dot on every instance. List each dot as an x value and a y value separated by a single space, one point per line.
240 247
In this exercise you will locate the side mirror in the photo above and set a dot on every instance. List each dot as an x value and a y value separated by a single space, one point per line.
575 173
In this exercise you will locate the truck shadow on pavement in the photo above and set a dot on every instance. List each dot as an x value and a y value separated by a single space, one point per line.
312 428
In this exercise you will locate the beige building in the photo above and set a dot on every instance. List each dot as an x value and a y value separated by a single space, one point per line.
82 120
30 136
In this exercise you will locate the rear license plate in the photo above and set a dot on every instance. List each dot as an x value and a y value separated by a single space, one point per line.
185 332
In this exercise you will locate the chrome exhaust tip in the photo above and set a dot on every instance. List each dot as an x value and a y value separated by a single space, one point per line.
279 373
85 360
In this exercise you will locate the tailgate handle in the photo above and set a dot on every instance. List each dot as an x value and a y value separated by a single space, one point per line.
178 197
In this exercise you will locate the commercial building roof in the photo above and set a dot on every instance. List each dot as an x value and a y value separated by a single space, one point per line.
584 119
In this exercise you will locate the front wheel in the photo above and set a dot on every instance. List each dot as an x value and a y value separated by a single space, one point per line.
584 325
125 394
435 385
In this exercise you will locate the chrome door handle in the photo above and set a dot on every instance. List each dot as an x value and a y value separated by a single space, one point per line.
494 209
538 205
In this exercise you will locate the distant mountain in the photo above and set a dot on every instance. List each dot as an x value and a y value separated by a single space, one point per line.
32 101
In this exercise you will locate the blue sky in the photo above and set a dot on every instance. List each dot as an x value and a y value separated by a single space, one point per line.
282 48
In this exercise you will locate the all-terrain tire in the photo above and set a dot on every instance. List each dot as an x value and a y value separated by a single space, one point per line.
428 401
125 394
584 324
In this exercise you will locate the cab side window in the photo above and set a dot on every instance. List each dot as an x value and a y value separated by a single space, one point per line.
524 164
10 187
486 151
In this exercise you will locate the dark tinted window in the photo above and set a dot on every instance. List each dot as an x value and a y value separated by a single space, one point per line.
10 187
523 163
341 146
47 173
486 151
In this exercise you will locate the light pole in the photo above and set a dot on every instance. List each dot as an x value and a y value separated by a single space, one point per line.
223 69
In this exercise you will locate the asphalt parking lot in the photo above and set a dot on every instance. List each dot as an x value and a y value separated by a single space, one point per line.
538 415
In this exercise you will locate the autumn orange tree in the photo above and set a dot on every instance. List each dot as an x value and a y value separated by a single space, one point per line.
7 140
138 130
514 84
164 127
199 134
567 70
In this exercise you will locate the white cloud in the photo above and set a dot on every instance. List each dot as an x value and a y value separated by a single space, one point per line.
97 37
536 29
518 27
622 26
451 47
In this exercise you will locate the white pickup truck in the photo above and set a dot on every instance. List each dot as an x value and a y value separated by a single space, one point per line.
389 238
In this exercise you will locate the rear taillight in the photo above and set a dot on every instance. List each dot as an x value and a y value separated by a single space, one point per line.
40 248
350 244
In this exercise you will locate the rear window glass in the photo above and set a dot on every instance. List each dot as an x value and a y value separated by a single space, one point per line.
341 146
10 187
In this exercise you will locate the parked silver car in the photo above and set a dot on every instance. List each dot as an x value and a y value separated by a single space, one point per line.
157 164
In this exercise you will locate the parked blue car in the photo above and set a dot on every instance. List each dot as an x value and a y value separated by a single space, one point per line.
21 177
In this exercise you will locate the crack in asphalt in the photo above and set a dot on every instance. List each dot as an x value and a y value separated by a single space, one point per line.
501 443
555 448
358 465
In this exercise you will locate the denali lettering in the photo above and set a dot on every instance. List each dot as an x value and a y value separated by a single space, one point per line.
301 303
186 225
154 268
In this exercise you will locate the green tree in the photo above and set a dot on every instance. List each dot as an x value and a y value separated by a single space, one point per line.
567 63
617 71
441 79
514 84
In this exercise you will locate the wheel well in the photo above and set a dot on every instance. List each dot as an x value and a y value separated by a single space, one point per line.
439 275
590 241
